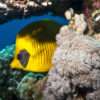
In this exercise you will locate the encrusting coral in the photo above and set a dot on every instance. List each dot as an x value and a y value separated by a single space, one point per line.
76 71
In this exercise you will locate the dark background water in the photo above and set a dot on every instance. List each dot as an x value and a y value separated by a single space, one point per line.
8 31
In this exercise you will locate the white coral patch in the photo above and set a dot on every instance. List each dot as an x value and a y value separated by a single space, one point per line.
3 5
44 3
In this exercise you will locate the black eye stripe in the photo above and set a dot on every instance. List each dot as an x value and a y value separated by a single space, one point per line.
23 57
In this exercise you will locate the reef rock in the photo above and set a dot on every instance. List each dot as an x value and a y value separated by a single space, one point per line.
76 71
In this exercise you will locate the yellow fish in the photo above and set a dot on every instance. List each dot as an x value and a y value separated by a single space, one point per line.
35 46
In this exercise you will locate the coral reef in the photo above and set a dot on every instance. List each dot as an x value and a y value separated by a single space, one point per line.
6 55
92 13
18 84
96 21
9 78
30 88
94 24
76 71
17 9
90 6
26 87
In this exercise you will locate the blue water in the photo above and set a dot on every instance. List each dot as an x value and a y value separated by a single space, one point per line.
8 31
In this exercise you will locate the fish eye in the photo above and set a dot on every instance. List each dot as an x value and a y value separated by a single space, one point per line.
23 58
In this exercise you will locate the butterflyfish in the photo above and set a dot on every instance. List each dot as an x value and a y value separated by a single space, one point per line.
35 46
